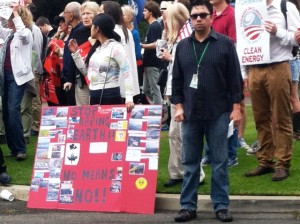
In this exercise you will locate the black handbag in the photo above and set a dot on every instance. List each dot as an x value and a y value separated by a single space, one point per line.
163 77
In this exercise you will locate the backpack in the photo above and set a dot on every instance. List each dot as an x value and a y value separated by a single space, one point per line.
284 12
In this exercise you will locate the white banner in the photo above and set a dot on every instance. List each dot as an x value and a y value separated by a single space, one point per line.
253 42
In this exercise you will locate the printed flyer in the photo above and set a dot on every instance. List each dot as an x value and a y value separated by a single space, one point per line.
97 158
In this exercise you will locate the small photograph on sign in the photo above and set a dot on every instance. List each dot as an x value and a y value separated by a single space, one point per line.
136 168
122 125
119 173
116 156
70 134
154 123
35 185
41 153
44 133
152 146
48 123
52 195
54 173
115 186
118 113
41 164
65 199
53 133
53 184
61 123
134 141
49 111
55 163
38 174
137 113
61 138
154 111
120 136
43 183
153 134
135 125
62 112
74 120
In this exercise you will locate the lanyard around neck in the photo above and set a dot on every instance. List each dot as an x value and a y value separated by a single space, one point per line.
201 57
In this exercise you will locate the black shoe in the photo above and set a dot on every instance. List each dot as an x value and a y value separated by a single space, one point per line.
185 215
224 216
201 183
5 178
20 156
172 182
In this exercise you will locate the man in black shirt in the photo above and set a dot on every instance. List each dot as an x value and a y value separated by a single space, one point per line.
207 91
152 64
80 33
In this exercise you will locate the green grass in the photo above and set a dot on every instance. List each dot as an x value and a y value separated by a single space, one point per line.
239 184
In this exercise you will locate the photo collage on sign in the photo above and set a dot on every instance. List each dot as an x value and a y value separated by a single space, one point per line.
50 153
139 134
143 138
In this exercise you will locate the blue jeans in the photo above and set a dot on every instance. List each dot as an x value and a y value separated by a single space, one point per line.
233 144
193 133
12 98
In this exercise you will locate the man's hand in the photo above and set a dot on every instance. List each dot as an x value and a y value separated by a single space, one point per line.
67 86
179 114
73 46
270 27
236 114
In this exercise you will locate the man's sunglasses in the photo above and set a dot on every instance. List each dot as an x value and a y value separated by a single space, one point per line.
202 15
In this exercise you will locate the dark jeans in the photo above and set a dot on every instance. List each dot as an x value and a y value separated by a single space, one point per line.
2 167
12 98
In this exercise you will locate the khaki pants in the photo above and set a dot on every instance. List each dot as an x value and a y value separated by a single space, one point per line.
270 88
175 166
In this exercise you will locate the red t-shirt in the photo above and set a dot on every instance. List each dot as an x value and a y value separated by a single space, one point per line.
225 23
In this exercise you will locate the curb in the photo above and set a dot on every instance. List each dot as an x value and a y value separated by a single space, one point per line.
238 203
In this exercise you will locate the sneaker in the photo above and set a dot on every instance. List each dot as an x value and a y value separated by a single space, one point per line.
232 162
5 178
205 161
20 156
243 144
254 148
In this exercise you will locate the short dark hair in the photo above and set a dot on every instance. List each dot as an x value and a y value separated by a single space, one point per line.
41 21
153 7
205 3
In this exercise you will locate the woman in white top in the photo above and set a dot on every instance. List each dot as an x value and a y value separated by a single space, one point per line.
105 64
114 9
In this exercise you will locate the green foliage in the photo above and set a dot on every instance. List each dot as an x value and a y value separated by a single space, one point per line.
239 184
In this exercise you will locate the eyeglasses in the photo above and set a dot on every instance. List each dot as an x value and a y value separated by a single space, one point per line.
65 12
202 15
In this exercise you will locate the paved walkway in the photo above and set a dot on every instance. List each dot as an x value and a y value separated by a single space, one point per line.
238 203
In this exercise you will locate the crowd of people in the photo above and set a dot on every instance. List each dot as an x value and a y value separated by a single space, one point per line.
192 44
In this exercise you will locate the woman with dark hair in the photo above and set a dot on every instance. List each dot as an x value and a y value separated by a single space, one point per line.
114 9
105 64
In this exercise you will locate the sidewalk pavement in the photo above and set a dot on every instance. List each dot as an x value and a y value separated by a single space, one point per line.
238 203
